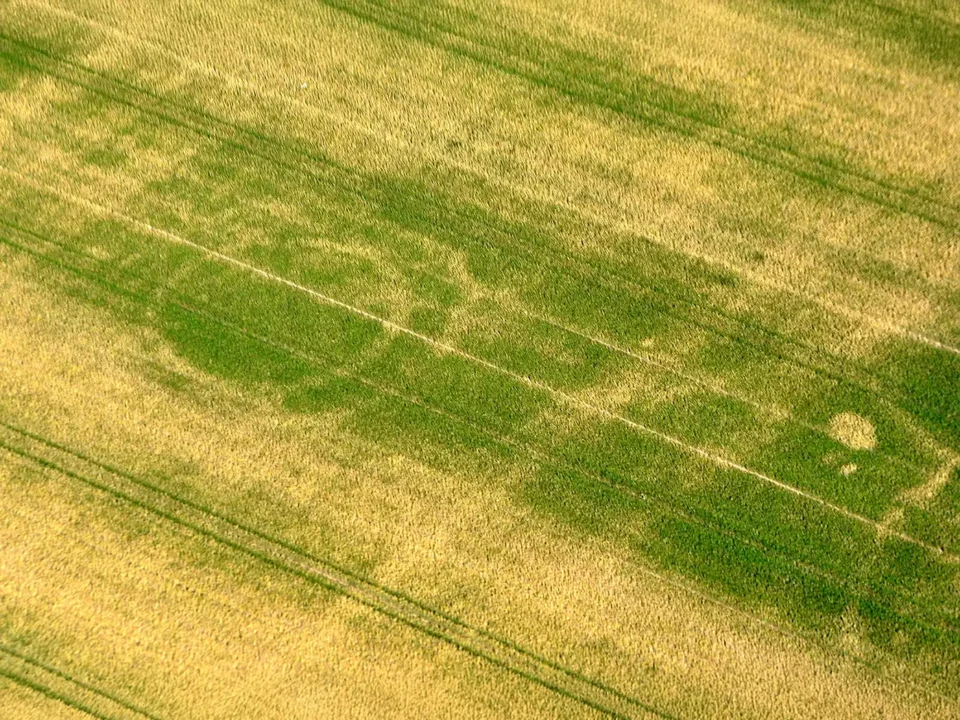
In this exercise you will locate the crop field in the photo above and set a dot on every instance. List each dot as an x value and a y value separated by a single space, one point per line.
481 359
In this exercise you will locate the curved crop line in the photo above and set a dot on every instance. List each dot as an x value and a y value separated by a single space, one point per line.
535 451
79 683
539 454
337 579
619 226
448 349
601 273
563 261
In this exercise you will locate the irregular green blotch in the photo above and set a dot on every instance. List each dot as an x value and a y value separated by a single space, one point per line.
328 394
430 437
435 298
817 569
424 210
225 354
870 590
755 543
305 329
428 320
107 158
929 384
532 348
628 316
580 503
437 291
13 74
811 460
618 453
158 373
745 572
456 384
706 418
398 425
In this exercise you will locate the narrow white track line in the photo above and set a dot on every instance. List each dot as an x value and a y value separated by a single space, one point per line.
536 453
778 412
638 565
616 225
446 348
400 144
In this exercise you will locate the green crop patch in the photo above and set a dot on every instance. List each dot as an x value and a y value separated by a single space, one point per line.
583 504
550 355
226 354
930 386
705 418
455 383
747 572
821 591
401 424
601 361
14 75
814 462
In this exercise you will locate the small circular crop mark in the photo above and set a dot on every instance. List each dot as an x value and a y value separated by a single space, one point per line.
854 431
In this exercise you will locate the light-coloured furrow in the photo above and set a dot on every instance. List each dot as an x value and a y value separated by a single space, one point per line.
449 349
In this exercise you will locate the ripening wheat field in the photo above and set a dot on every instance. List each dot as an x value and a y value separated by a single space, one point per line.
480 359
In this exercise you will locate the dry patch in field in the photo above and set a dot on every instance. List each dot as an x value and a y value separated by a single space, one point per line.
848 469
856 432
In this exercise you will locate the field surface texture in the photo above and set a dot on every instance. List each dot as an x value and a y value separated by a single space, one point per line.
480 359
